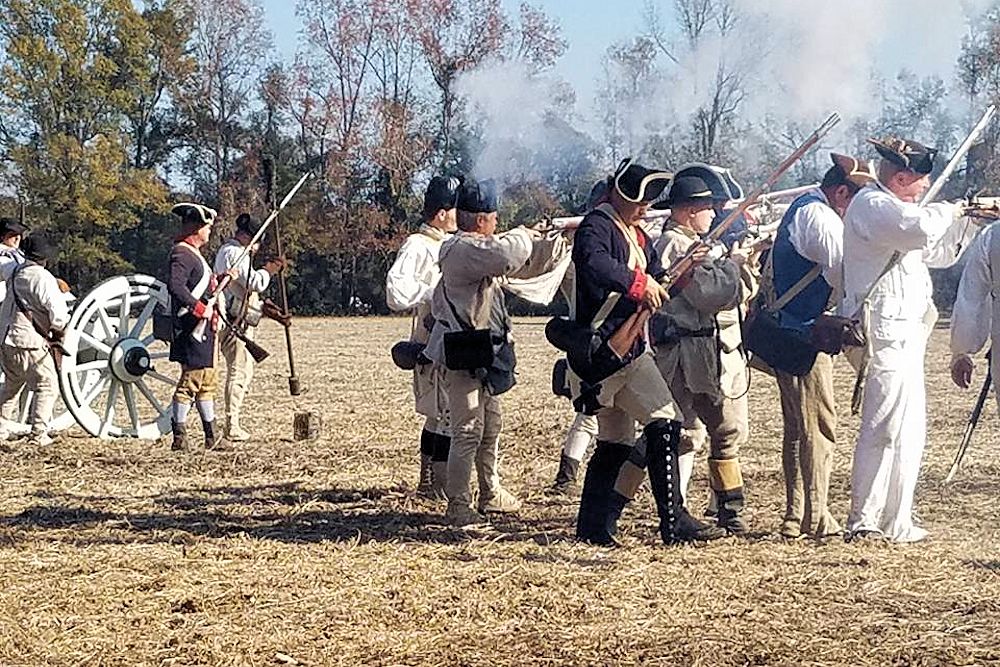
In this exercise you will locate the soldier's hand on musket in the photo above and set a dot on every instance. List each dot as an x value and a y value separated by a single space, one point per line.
741 254
700 253
654 295
961 370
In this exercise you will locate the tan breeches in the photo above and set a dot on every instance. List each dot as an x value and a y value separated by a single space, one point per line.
810 421
35 370
239 374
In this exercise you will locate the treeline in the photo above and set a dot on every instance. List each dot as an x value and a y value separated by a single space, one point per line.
110 112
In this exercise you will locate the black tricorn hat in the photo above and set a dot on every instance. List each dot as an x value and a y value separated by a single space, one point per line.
441 194
478 196
38 248
719 180
194 215
11 227
687 190
639 184
906 153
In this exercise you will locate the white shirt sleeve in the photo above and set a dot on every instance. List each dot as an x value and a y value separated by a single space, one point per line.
406 286
248 279
903 226
972 314
817 233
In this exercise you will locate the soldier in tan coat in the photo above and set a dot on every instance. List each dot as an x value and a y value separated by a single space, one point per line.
697 344
469 304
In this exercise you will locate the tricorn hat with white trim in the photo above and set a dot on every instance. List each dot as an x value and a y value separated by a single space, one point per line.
194 215
906 153
638 184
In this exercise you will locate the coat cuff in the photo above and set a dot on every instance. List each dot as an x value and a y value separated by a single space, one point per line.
638 287
199 309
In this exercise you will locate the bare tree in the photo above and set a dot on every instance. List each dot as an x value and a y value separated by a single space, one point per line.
228 42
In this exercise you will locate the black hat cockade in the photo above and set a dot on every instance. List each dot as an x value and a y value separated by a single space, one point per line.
194 215
247 224
687 190
37 248
639 184
906 154
441 194
11 227
478 196
720 180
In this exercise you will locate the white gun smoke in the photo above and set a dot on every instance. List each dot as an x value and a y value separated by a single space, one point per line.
799 60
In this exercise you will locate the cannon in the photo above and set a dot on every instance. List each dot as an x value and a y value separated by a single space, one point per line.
115 380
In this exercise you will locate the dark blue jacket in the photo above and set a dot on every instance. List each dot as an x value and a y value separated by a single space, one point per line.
600 255
790 267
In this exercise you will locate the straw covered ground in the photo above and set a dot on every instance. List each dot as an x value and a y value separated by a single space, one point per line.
318 553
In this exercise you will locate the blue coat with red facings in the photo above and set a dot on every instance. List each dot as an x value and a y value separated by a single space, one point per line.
600 256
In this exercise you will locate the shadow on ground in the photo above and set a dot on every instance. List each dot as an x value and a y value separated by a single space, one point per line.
281 512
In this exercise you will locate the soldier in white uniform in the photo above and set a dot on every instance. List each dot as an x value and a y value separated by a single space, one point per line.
243 309
885 229
409 286
973 322
33 315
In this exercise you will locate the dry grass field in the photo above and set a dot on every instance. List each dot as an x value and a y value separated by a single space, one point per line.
318 553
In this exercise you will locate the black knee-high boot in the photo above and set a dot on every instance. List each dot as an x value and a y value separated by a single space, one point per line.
600 505
676 524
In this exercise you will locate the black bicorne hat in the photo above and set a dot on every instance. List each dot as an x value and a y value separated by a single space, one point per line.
720 181
906 154
38 248
687 190
639 184
441 194
478 196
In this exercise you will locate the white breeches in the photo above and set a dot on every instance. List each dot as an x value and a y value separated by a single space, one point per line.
891 440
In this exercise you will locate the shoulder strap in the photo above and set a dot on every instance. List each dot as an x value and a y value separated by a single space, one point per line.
17 298
893 261
797 288
454 311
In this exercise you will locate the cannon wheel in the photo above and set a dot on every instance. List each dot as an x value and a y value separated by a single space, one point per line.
116 380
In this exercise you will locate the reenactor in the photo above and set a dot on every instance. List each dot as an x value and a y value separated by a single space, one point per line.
409 286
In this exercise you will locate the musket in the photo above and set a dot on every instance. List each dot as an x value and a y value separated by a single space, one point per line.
568 223
675 276
952 165
857 395
970 426
294 388
199 330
